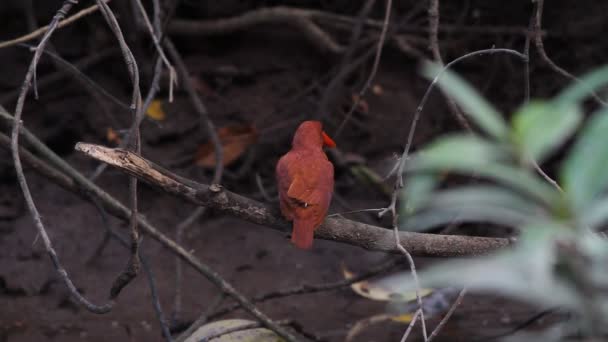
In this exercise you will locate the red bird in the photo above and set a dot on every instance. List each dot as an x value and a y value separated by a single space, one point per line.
305 179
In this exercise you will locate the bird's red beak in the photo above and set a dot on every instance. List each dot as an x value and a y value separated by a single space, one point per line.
327 141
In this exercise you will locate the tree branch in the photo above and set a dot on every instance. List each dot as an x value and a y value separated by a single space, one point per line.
341 230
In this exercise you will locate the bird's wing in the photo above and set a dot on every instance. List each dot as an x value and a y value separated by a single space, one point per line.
303 190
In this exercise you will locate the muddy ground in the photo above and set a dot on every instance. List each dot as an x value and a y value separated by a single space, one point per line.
269 68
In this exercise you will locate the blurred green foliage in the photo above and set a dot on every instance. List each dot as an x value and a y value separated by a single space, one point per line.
561 252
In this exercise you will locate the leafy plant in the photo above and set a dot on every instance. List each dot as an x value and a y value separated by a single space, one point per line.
561 253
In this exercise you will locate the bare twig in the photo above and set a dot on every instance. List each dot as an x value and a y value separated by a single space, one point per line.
410 260
407 332
145 265
118 209
434 45
364 323
537 167
292 17
314 288
43 30
133 265
538 40
159 49
341 230
546 176
307 21
217 146
425 97
447 316
347 65
202 319
528 322
16 126
200 108
374 70
399 182
74 69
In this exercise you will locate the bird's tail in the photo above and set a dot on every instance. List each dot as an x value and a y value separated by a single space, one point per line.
303 233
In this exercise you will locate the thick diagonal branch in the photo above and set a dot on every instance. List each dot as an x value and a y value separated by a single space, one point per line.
340 230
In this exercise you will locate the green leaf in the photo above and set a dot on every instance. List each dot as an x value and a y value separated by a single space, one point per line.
483 203
417 191
437 217
584 173
471 155
540 127
526 272
474 105
595 215
578 91
457 151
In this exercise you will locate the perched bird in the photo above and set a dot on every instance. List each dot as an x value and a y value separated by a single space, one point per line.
305 179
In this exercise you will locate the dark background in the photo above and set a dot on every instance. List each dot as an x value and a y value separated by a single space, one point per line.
269 69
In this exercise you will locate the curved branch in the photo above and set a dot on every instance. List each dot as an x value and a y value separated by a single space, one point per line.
299 19
340 230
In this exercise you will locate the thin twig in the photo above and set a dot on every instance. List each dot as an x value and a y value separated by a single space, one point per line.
74 69
145 265
407 332
447 316
346 65
399 182
217 146
538 40
314 288
425 97
202 319
410 260
118 209
434 45
200 108
133 265
537 167
159 49
374 70
364 323
16 126
43 30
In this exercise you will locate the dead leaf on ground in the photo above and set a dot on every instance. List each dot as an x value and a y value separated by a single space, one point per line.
387 288
235 140
155 111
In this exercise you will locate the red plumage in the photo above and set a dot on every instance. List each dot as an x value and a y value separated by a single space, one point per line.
305 179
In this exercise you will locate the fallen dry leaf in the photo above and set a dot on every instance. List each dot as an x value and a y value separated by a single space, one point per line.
235 140
155 111
384 289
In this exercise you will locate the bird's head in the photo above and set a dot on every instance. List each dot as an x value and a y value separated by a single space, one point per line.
310 134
